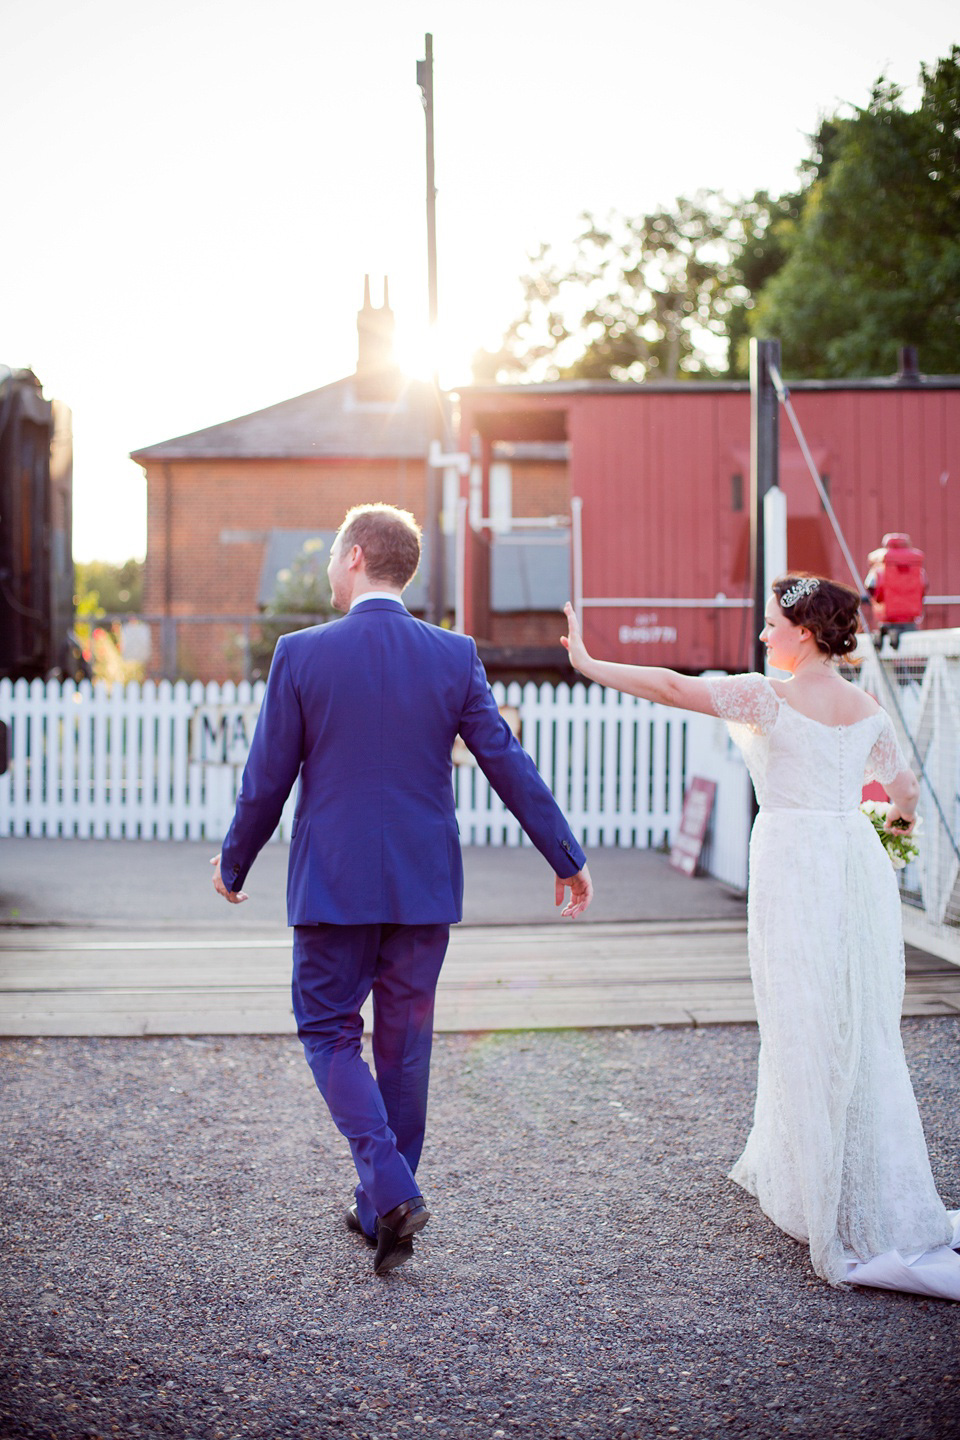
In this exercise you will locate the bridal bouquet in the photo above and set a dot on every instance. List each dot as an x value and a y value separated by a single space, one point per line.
901 848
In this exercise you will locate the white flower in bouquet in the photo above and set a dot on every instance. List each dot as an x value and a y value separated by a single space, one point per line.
900 848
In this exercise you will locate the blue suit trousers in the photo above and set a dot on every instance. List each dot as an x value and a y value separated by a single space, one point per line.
335 969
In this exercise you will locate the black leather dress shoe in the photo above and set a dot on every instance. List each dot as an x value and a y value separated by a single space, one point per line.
395 1232
352 1221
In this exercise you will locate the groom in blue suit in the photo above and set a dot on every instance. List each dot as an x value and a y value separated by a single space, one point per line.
365 712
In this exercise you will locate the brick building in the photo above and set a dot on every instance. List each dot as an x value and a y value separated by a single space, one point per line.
230 506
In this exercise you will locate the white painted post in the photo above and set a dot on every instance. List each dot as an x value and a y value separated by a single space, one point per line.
576 555
626 804
460 565
20 764
197 776
512 833
546 712
47 767
676 722
774 542
84 812
164 759
148 762
37 773
612 717
116 759
594 719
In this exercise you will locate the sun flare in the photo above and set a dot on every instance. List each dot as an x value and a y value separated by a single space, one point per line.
422 352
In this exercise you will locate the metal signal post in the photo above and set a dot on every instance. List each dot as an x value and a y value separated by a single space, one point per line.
764 473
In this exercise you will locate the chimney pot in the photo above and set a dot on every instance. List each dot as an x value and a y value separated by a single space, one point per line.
908 372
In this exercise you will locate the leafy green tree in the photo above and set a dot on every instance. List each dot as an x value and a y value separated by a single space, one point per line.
764 224
100 589
863 258
648 298
872 260
106 589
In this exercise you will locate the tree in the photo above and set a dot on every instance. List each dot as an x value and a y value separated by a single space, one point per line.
863 258
301 589
647 298
100 589
760 250
108 589
873 257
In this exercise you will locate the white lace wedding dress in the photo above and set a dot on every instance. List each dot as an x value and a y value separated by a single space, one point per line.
836 1156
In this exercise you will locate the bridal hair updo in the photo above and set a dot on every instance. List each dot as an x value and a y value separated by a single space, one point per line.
389 539
829 610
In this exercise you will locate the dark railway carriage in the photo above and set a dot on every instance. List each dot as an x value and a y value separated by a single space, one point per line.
36 562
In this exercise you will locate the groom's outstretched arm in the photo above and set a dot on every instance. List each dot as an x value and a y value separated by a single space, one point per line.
269 774
520 786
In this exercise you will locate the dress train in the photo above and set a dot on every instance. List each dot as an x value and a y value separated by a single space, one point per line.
926 1272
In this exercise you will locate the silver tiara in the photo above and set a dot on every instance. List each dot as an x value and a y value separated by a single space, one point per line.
797 592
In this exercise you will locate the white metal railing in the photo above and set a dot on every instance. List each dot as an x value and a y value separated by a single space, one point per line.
919 685
163 761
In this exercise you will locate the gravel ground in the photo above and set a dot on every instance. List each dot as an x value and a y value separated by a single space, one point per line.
176 1266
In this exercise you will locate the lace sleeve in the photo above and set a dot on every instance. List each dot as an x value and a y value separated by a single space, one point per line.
745 700
886 760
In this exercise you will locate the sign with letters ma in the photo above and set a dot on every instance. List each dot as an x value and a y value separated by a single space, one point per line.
221 734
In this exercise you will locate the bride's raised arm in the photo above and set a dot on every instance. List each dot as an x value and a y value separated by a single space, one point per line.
650 682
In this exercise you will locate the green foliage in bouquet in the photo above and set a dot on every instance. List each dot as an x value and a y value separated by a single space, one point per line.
901 848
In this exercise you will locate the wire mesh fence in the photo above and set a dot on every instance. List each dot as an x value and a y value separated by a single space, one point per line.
919 685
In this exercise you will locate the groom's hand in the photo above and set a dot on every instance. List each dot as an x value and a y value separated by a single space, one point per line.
581 893
236 897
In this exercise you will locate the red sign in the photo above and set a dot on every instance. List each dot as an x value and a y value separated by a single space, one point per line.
697 807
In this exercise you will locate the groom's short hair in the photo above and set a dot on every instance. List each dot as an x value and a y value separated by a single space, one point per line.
389 539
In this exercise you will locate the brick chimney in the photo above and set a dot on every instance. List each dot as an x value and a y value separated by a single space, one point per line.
377 375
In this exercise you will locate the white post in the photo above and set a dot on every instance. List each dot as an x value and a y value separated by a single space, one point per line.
774 539
460 566
576 554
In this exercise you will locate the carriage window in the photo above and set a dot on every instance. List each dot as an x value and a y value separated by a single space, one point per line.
736 492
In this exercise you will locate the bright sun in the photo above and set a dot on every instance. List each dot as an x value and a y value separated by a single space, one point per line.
419 352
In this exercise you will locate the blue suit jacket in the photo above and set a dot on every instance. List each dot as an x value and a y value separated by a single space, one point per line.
366 711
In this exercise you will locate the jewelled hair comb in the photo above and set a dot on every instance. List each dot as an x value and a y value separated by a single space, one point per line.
797 592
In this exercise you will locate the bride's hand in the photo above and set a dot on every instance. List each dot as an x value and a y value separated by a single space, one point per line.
899 824
572 642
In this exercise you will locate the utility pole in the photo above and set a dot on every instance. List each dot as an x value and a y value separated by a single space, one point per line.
764 473
434 484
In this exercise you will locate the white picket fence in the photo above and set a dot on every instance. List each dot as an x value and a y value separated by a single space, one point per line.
120 762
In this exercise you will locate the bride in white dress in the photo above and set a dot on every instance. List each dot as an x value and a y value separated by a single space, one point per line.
836 1157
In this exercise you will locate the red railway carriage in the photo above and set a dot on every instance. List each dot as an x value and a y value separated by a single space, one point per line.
655 480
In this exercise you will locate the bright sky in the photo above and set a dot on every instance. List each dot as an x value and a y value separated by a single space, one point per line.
195 188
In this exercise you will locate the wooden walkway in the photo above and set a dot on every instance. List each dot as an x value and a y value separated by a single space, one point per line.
84 982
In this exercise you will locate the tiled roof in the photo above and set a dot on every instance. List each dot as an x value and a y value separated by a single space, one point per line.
334 421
